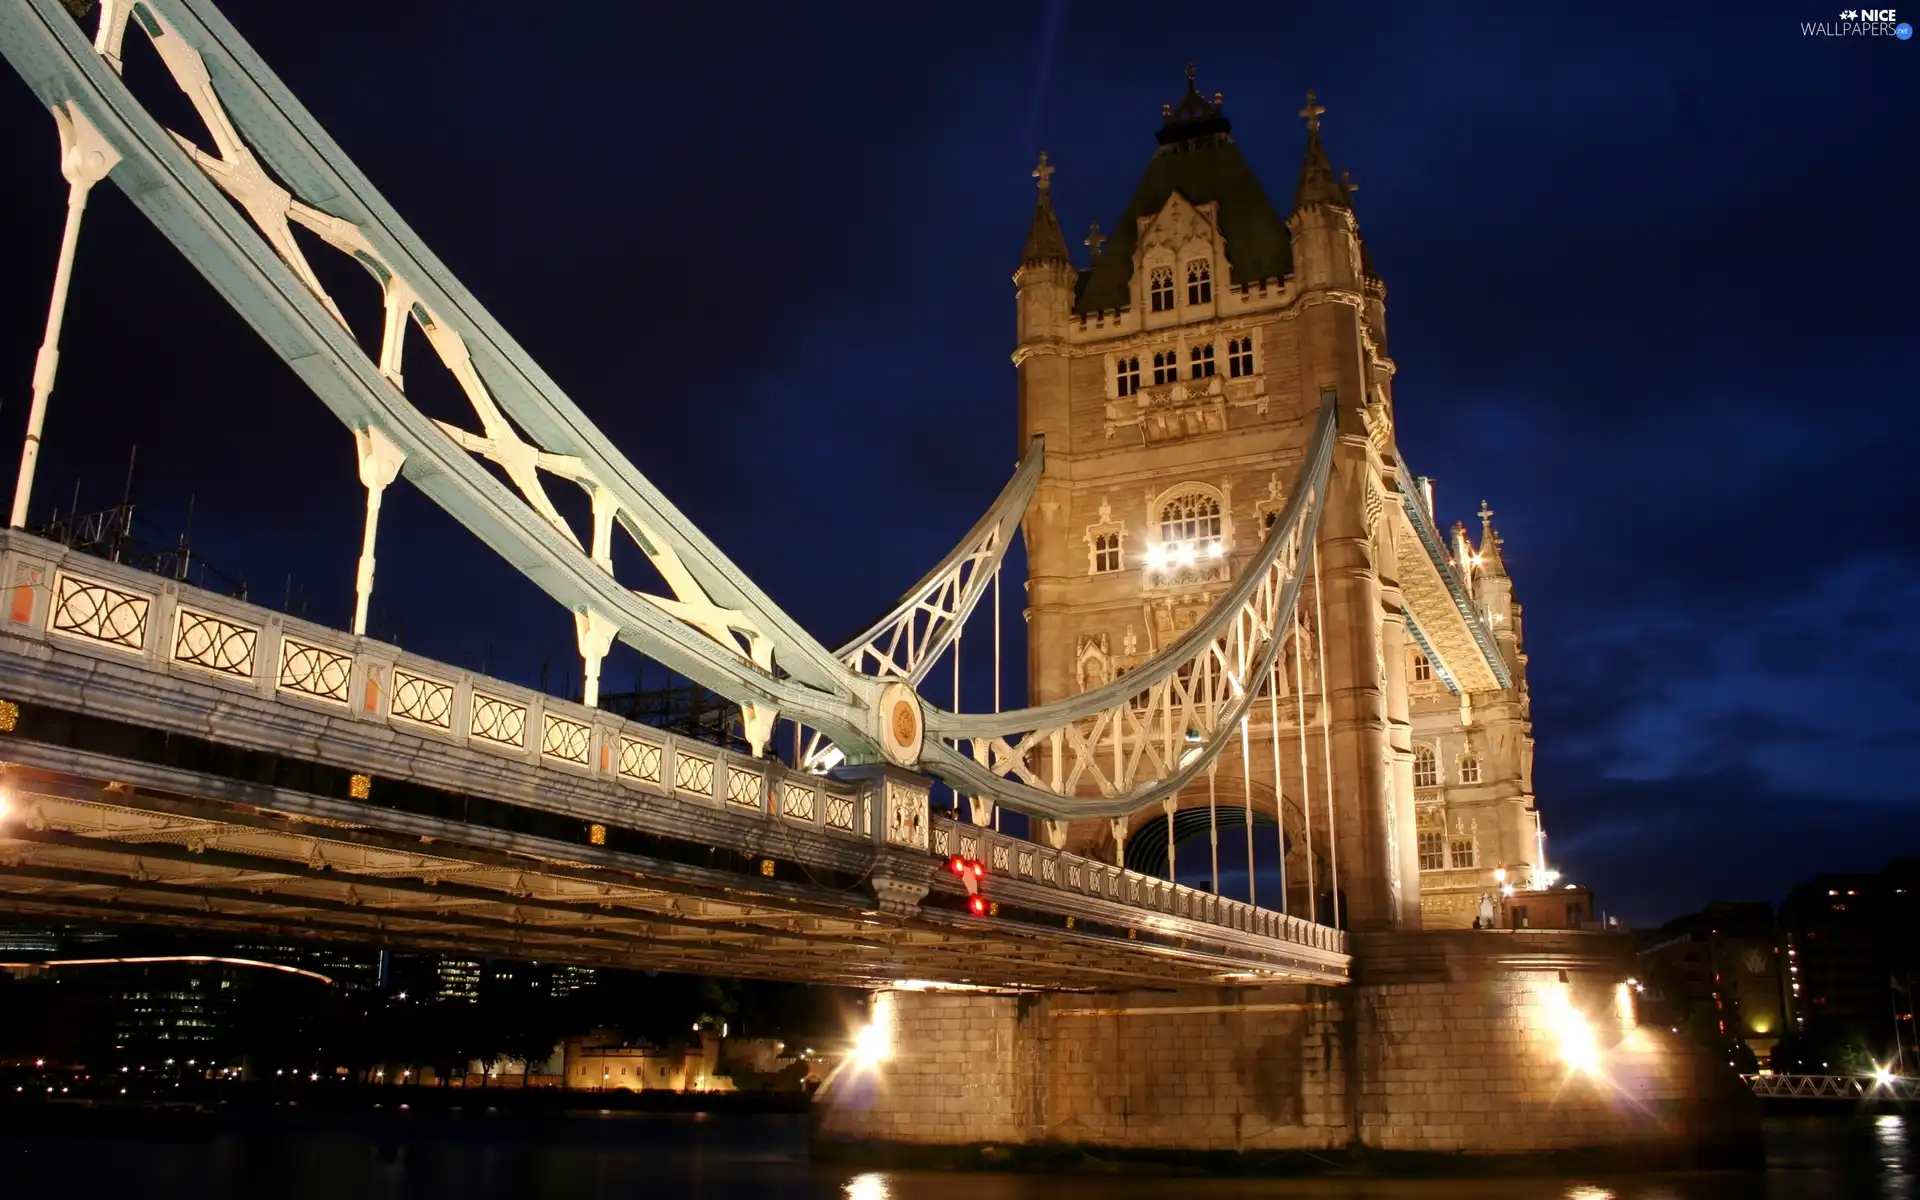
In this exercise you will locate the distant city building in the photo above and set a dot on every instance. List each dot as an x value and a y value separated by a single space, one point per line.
1726 961
1851 952
458 979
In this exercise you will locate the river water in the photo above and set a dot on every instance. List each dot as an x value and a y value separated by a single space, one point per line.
585 1158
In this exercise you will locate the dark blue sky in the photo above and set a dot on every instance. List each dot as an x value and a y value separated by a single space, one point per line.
1650 288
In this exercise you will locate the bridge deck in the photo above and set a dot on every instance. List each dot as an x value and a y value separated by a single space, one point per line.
182 758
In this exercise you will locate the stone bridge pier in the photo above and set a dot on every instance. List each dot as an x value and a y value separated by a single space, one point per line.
1460 1051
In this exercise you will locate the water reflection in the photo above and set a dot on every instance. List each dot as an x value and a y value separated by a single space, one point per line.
1894 1142
478 1157
868 1187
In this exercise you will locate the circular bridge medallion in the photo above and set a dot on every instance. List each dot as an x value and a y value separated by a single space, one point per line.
901 727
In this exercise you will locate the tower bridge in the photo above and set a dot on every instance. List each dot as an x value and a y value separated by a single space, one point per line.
1237 596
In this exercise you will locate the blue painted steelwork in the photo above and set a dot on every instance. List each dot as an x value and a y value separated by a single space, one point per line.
719 628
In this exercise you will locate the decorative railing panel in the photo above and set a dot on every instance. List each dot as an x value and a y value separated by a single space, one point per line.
421 700
563 739
743 788
797 801
691 774
309 670
639 760
502 722
99 612
213 644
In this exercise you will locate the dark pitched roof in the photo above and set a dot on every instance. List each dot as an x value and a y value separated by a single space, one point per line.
1197 158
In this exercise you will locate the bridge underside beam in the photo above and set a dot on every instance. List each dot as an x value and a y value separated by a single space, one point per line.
100 850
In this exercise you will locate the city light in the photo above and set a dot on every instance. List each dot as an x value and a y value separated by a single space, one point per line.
1883 1077
1186 553
1156 557
1216 550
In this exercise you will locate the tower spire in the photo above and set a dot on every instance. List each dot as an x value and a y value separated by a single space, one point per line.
1490 561
1318 184
1045 243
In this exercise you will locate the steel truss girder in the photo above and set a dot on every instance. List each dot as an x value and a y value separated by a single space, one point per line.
718 628
1165 722
913 635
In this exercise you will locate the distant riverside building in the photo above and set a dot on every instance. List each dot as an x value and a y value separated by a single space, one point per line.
458 979
1725 961
1852 944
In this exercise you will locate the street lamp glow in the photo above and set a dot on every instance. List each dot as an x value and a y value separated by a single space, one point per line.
1882 1077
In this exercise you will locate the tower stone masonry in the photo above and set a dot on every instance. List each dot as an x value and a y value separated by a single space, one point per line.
1176 378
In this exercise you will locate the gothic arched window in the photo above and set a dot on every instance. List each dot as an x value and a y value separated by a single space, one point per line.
1106 553
1202 357
1239 357
1469 767
1188 518
1433 850
1126 375
1426 768
1160 289
1199 282
1166 366
1465 852
1422 668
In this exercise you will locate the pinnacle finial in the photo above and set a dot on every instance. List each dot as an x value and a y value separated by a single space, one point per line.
1312 112
1095 239
1486 513
1346 181
1044 173
1190 73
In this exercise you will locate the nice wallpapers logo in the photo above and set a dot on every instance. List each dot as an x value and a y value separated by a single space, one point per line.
1860 22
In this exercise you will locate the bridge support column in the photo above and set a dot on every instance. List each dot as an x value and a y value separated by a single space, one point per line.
1461 1051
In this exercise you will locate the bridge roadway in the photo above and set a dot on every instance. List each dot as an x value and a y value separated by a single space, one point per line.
176 757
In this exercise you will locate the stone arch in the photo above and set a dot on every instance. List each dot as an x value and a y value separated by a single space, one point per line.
1146 848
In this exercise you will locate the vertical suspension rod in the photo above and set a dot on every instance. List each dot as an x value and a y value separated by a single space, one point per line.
85 159
1326 734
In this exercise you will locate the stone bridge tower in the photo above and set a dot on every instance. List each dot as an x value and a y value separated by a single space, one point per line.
1176 379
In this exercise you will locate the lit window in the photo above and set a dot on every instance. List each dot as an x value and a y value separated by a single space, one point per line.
1126 376
1426 768
1202 360
1199 282
1469 768
1422 669
1166 367
1463 855
1239 357
1433 851
1160 289
1192 517
1106 553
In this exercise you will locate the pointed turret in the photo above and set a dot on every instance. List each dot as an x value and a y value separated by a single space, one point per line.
1318 184
1491 564
1326 243
1045 243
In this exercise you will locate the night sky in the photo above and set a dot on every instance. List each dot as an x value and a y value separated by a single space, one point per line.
1649 289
